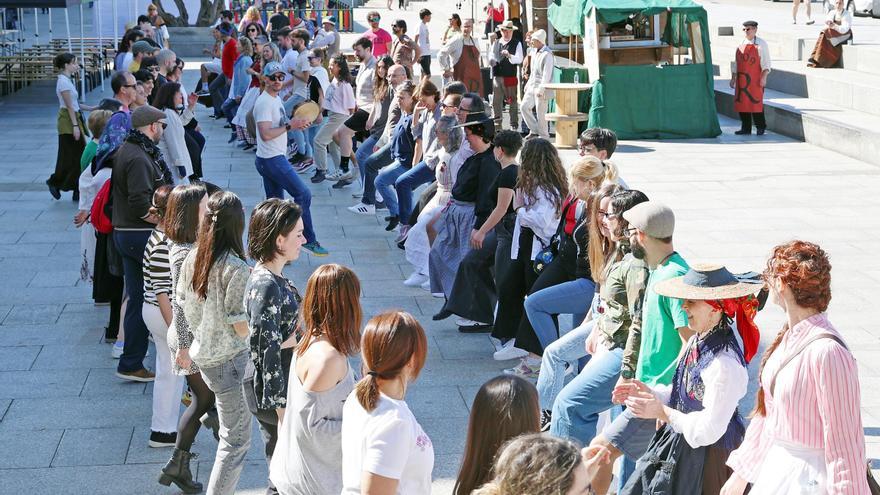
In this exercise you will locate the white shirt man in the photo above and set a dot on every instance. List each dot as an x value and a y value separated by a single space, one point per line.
534 95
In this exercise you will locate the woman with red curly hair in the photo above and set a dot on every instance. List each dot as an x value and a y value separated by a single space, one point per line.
806 431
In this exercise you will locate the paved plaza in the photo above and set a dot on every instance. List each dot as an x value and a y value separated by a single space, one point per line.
70 426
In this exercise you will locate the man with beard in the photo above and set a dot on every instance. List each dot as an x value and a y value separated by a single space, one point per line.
460 59
138 170
651 351
404 51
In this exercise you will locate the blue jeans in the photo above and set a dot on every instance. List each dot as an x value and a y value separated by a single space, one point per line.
562 354
406 183
230 108
577 407
219 90
363 152
131 245
278 176
372 165
296 135
387 177
566 298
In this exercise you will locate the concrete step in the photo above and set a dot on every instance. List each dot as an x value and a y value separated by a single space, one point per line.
862 58
844 130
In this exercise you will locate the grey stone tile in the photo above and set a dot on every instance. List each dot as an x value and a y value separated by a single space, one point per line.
18 357
78 412
375 305
10 237
94 480
103 382
381 256
61 357
447 434
205 446
36 384
436 402
67 278
33 314
29 449
59 333
93 447
4 406
30 250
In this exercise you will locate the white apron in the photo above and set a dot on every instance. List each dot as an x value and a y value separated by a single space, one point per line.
791 469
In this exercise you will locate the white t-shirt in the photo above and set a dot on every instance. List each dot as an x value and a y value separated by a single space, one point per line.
339 97
321 75
301 87
288 63
424 39
270 108
388 442
65 84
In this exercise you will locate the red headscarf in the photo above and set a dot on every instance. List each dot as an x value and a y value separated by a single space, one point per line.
744 309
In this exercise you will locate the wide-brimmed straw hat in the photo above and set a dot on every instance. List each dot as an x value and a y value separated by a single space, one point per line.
507 26
708 282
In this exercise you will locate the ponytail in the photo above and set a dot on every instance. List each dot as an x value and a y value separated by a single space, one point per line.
760 404
611 172
367 391
220 234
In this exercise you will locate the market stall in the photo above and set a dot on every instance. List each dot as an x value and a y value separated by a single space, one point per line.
649 63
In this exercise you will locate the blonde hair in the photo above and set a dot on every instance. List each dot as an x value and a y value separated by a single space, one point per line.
591 169
534 464
97 121
252 14
245 46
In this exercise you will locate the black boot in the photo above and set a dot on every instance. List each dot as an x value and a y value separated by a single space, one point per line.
177 471
211 421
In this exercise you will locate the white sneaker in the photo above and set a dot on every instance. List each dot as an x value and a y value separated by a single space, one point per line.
496 343
416 280
508 352
346 176
363 209
334 176
116 351
464 322
427 285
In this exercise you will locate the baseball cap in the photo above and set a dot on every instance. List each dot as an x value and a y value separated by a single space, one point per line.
652 218
329 20
272 68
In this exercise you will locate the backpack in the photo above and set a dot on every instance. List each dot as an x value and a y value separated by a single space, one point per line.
99 217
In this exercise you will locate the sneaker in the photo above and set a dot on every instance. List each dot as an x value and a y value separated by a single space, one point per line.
362 209
334 176
546 417
525 369
427 285
203 93
475 328
318 177
393 222
497 344
380 205
116 351
346 176
303 167
509 351
142 375
342 183
404 231
416 280
464 322
298 158
316 249
159 439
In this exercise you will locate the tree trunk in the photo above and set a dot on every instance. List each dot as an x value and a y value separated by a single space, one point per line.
170 20
209 11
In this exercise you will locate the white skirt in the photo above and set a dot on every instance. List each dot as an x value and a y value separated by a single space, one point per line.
791 469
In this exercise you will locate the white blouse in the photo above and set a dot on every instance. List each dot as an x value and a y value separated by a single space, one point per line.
173 142
725 380
542 217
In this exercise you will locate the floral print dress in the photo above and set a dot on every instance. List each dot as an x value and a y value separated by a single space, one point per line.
179 334
272 304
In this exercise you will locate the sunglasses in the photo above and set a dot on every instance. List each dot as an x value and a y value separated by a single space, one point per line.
374 19
746 29
163 124
276 77
444 105
129 85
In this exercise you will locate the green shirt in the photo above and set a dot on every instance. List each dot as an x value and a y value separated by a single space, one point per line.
621 296
88 155
653 350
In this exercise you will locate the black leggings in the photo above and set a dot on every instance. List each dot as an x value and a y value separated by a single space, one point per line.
202 402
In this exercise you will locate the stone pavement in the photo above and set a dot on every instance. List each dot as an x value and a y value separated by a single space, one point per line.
69 426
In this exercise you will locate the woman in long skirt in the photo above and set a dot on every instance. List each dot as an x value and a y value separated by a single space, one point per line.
71 129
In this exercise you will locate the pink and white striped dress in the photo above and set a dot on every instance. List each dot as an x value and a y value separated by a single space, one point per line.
811 440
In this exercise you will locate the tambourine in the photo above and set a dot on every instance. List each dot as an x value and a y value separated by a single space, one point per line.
306 110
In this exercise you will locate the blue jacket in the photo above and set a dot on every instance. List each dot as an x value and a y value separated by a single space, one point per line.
402 142
241 80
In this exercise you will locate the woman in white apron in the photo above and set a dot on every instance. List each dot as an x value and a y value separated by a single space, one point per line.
806 434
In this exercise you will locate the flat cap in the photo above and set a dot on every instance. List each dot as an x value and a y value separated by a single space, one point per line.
652 218
750 24
146 115
141 46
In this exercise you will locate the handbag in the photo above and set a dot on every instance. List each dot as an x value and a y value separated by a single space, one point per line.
670 466
873 486
547 254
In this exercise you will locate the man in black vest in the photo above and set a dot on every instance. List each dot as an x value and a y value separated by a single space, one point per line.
506 55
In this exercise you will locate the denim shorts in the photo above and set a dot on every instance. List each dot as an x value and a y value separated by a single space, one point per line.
630 435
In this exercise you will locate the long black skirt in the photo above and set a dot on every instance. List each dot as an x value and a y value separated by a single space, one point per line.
513 285
66 176
106 287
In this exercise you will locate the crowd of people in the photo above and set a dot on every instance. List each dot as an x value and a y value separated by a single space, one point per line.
505 234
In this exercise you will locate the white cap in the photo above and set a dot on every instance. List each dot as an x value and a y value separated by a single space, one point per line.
540 35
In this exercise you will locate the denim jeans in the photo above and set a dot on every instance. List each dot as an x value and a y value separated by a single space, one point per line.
372 165
565 352
230 108
577 407
387 177
278 176
363 152
406 183
225 380
295 135
131 245
566 298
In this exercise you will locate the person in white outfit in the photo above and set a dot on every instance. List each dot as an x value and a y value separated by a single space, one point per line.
535 97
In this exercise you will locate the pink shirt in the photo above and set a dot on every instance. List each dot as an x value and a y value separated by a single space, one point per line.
817 405
380 38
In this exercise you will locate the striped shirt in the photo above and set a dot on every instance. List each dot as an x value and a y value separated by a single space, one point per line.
157 268
817 405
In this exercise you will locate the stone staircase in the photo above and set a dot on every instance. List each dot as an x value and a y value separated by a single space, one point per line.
837 109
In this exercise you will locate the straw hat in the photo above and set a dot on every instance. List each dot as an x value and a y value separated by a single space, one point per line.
507 26
708 282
